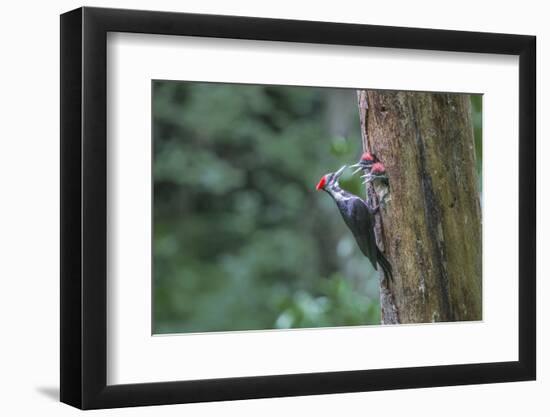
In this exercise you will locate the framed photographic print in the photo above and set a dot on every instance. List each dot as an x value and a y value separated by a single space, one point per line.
257 208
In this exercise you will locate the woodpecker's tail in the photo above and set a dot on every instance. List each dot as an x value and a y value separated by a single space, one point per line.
385 264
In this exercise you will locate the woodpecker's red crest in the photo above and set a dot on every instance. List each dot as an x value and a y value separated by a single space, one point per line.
322 182
378 168
367 156
330 179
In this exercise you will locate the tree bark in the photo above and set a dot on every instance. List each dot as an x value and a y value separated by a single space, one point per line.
430 226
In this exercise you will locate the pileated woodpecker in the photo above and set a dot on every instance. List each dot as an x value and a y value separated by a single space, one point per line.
365 163
359 217
375 172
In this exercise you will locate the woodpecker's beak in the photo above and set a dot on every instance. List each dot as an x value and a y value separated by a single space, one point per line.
367 178
361 165
357 170
339 172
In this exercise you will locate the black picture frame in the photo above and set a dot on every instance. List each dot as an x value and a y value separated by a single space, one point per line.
84 207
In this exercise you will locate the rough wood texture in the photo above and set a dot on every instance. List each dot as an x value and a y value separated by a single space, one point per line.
389 313
430 229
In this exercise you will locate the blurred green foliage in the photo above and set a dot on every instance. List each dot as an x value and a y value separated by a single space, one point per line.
241 238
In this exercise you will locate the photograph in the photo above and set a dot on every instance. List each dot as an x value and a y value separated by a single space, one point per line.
290 207
263 206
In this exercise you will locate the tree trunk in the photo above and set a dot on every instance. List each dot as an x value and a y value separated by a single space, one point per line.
430 226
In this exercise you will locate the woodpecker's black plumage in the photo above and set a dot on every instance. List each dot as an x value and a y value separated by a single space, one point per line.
359 217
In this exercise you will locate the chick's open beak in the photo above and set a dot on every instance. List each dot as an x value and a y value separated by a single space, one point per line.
361 165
